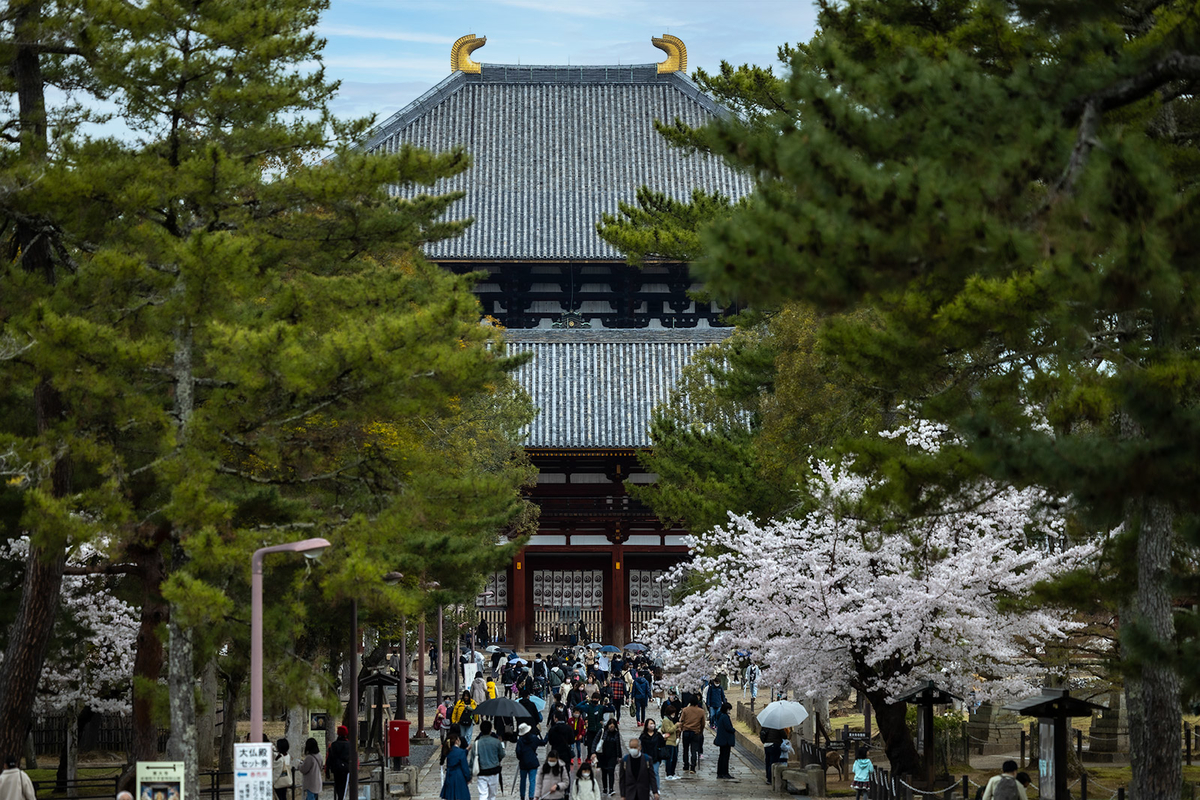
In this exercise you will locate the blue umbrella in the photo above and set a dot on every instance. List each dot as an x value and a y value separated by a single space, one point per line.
608 648
537 701
636 647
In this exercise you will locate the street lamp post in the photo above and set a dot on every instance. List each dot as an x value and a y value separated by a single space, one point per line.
311 548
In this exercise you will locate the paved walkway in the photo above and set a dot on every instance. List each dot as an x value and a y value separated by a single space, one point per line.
704 785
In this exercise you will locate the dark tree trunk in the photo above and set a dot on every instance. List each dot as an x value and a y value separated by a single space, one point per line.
230 711
1155 715
34 622
148 661
897 739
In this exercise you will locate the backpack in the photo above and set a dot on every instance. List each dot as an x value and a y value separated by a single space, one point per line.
1006 789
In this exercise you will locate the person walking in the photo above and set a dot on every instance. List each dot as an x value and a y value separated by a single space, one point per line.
561 739
594 712
462 716
653 745
616 690
862 769
585 786
713 698
338 765
479 689
554 779
528 743
578 733
481 634
608 753
724 740
670 733
15 784
691 723
641 696
1005 786
637 779
456 786
487 752
282 769
750 681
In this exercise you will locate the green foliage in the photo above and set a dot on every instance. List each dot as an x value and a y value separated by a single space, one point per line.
746 420
249 346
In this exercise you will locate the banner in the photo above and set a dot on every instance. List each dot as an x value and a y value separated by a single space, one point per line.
160 780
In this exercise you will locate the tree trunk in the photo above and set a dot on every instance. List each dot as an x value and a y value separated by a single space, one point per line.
206 720
1155 715
181 686
230 711
72 748
897 739
148 661
34 622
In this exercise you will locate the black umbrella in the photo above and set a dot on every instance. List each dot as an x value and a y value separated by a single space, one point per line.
501 707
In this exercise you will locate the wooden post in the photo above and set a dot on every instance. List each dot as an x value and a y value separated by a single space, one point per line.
1187 738
966 788
441 655
1083 786
402 690
620 604
518 620
421 678
1021 757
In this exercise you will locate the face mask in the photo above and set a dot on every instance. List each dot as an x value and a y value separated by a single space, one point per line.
585 774
634 752
552 763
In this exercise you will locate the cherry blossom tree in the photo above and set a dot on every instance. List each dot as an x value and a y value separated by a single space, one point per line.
90 662
828 602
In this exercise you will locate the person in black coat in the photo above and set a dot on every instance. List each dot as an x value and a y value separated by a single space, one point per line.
338 765
535 716
561 739
637 777
724 740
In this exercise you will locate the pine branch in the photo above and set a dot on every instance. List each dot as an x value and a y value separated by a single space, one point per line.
1173 67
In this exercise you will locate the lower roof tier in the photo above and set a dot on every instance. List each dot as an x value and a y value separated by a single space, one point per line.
597 388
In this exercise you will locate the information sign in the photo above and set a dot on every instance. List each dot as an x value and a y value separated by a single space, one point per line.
252 775
160 780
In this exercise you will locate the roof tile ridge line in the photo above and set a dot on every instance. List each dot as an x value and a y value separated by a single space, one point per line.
689 88
397 121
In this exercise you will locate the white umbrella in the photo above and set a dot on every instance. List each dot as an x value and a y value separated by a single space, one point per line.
491 648
782 714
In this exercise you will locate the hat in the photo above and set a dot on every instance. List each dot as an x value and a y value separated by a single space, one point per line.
343 730
523 729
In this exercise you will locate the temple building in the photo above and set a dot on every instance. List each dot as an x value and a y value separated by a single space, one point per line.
554 148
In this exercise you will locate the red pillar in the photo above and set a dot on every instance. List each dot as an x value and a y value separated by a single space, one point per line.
518 604
620 600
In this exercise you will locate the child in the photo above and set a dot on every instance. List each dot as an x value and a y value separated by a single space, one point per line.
862 772
586 787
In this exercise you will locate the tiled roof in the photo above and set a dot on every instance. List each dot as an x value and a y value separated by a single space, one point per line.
554 148
597 388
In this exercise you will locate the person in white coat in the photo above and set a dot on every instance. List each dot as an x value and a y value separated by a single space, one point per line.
15 784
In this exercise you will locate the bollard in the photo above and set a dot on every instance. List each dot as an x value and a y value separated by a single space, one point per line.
1083 786
1079 743
1120 793
1021 758
966 789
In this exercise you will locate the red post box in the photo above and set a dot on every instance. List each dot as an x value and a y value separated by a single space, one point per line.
398 738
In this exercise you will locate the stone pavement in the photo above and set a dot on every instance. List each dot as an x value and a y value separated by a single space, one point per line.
704 785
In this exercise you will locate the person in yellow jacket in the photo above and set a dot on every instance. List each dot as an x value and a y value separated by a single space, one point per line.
462 716
491 688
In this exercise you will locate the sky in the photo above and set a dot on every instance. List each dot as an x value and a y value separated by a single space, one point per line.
386 53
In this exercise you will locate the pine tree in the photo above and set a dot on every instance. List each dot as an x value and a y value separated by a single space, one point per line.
250 345
1014 197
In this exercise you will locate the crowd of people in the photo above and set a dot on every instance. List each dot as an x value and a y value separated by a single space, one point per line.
571 746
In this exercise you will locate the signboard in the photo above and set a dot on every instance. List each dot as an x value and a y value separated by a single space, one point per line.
252 778
1046 759
160 780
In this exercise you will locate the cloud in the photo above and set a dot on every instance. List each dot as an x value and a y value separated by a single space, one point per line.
359 32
